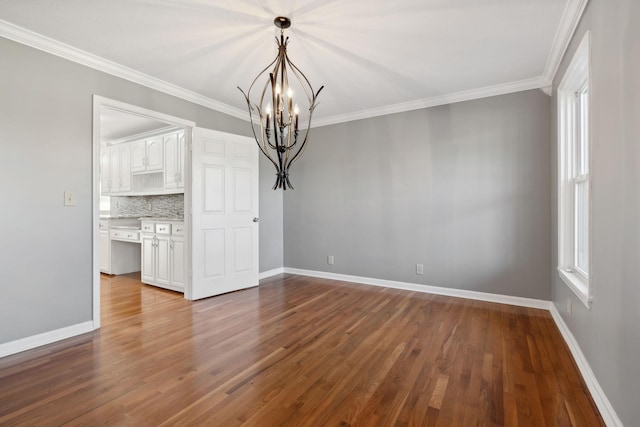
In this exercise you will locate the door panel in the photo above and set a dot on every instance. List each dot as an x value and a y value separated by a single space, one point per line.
242 243
242 189
225 201
213 189
214 252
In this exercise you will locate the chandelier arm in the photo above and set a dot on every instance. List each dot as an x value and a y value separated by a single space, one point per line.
306 136
266 85
302 146
300 76
311 109
258 76
253 130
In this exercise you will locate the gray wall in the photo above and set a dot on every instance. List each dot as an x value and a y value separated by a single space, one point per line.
461 188
608 334
46 137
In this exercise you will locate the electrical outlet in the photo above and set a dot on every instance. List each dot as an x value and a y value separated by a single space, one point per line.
148 206
70 198
330 259
569 307
419 269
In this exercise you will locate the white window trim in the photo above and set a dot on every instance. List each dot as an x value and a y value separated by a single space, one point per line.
572 81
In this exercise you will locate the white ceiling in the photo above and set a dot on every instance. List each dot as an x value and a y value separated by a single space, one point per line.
115 124
372 56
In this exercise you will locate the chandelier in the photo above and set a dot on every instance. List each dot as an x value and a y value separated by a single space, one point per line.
280 138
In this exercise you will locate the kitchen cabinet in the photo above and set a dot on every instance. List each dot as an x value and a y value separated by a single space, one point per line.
162 258
147 155
105 171
176 255
144 164
115 169
105 247
120 164
174 154
119 246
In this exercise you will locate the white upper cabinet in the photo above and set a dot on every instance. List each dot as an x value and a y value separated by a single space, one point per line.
155 154
115 169
105 171
147 155
143 164
120 164
174 160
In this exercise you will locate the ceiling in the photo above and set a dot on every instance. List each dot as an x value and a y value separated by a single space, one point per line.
373 56
115 124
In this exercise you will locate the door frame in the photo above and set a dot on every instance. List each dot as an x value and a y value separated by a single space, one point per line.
100 103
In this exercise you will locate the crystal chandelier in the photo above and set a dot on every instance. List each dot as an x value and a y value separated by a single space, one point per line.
279 138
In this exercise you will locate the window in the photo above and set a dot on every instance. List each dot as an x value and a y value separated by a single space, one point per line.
573 174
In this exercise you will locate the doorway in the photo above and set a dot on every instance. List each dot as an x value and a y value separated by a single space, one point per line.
219 240
114 120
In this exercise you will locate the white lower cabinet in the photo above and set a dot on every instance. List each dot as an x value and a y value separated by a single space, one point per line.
119 248
105 250
162 256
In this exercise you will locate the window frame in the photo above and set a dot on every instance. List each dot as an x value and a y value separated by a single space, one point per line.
574 96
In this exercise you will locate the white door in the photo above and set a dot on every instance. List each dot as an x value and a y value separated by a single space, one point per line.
224 253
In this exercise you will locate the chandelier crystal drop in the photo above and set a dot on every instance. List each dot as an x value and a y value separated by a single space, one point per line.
280 138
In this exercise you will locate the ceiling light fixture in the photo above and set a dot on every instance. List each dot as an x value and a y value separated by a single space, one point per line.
280 138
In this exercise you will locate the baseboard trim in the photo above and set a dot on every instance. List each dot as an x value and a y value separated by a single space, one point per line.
269 273
604 406
459 293
44 338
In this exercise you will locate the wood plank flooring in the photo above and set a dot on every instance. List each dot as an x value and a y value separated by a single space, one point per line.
300 351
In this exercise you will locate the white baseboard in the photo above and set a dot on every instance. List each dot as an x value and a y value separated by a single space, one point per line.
44 338
459 293
269 273
604 406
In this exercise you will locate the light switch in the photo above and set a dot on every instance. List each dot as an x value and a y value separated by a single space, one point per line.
69 198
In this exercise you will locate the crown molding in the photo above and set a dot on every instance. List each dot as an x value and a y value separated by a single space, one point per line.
568 23
468 95
54 47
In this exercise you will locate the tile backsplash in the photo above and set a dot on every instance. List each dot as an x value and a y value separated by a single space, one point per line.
167 205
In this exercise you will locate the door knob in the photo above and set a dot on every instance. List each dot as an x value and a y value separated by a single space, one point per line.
256 219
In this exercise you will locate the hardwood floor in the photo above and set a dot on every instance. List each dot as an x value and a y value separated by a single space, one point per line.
300 351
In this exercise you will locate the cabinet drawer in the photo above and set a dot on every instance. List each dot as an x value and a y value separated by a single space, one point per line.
163 228
125 235
104 224
148 227
177 229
